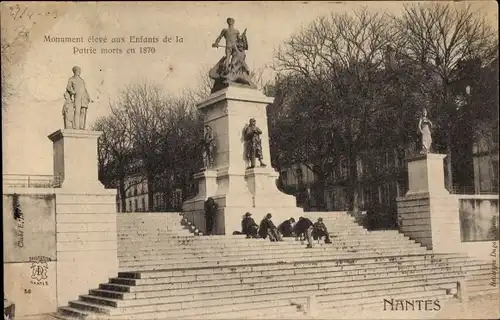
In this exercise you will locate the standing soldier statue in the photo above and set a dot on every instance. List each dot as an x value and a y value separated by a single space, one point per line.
80 97
253 143
208 145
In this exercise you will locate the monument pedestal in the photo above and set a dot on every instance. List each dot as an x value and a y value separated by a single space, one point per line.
426 174
428 213
238 189
86 235
75 158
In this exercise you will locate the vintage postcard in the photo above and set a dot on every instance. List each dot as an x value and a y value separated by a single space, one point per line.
250 160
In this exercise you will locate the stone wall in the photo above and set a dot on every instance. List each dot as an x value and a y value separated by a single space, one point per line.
30 258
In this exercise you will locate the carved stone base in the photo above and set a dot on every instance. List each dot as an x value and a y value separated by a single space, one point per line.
238 189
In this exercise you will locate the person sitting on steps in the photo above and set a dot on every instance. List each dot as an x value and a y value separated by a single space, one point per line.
304 227
320 231
286 227
267 228
249 227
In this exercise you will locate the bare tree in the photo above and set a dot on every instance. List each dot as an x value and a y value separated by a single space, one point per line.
336 63
143 106
115 152
442 38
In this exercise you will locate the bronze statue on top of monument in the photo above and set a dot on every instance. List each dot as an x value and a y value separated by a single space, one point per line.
77 100
231 68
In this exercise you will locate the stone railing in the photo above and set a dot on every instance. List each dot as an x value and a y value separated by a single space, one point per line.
31 181
478 217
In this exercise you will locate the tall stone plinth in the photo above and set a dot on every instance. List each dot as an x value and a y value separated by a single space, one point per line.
75 158
238 189
428 213
86 234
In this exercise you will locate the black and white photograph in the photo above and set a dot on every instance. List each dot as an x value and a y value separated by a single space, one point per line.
250 160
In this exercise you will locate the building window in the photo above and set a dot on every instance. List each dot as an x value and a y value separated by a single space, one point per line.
143 204
135 205
130 209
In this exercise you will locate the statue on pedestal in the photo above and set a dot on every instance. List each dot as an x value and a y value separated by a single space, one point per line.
208 145
253 143
424 125
80 98
231 68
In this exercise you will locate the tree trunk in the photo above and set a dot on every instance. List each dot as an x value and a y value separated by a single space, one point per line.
121 181
449 136
123 201
352 189
151 191
319 188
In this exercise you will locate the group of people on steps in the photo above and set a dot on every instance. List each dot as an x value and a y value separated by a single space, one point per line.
302 229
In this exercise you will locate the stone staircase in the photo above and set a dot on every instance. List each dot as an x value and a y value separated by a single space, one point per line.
167 273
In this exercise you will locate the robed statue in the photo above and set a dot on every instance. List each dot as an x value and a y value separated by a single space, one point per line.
208 145
75 109
253 142
231 68
424 125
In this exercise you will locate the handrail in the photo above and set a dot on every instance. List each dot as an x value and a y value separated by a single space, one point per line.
32 180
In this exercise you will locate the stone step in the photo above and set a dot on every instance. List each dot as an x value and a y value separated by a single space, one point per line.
217 253
166 304
289 312
202 290
168 248
169 276
256 242
207 241
202 245
234 263
332 252
277 264
191 250
261 242
227 238
356 267
215 261
178 314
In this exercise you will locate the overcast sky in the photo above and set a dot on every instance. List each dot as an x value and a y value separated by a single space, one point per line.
41 70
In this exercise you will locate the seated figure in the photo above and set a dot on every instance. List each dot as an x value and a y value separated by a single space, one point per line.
286 227
268 229
249 227
320 231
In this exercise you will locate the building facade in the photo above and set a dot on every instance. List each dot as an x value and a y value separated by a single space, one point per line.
137 200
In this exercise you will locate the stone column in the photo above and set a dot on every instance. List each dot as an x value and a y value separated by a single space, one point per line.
240 190
86 235
428 213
